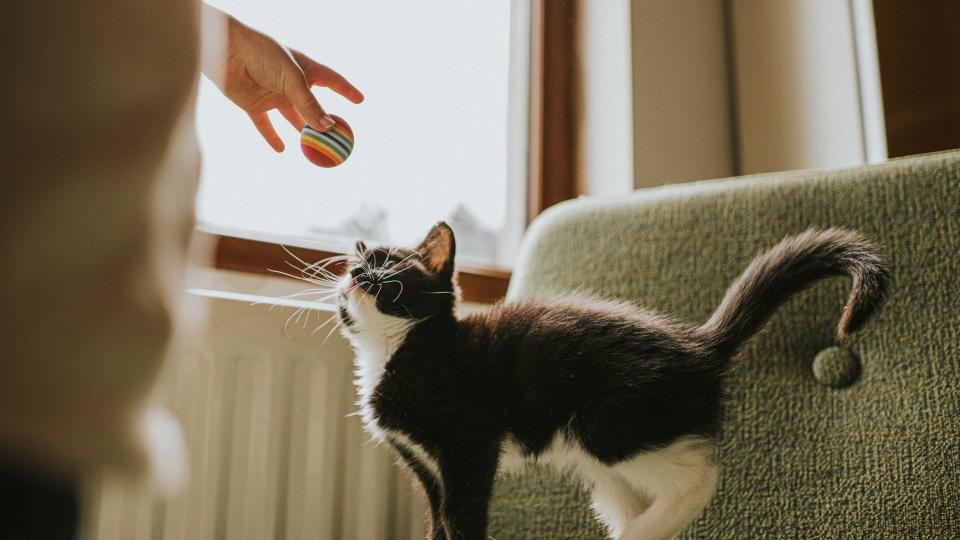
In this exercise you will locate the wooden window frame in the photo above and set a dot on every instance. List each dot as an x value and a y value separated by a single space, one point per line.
478 284
551 167
553 93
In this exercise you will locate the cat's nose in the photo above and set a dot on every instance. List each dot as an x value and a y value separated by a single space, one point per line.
361 279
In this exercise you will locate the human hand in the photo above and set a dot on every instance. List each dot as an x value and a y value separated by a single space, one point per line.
258 75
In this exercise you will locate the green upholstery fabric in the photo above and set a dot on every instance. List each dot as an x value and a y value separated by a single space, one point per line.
878 457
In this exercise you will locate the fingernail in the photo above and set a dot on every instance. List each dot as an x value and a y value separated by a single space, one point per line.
327 123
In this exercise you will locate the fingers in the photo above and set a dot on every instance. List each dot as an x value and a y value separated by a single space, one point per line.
299 94
263 125
292 116
321 75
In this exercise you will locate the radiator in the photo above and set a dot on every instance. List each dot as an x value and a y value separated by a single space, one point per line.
274 450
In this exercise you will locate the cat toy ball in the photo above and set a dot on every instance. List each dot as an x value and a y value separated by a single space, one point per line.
327 148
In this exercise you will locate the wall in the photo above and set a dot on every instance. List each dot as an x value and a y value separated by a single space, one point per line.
726 87
605 117
681 100
796 77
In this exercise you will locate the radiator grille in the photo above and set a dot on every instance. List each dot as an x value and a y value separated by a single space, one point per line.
274 451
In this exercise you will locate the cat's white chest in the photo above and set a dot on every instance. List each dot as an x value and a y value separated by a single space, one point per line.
375 338
369 369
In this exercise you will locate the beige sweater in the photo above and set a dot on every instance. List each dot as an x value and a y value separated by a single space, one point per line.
100 166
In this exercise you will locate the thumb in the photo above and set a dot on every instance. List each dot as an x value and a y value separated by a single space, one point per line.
303 100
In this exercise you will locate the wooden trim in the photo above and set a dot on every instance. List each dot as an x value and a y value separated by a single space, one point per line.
919 54
477 284
553 84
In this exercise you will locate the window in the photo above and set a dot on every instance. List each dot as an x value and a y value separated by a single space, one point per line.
441 135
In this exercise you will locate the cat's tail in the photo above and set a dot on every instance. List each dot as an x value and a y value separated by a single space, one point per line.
788 268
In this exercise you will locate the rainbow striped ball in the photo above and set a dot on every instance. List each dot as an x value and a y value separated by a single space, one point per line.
327 148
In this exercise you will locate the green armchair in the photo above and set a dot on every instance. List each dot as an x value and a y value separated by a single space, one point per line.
824 439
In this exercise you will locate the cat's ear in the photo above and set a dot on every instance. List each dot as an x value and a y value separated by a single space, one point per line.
438 249
360 247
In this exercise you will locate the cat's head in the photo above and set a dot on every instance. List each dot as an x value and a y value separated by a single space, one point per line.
385 284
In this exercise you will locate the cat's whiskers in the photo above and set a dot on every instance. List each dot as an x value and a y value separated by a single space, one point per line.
399 263
315 274
350 289
330 333
381 271
327 280
306 320
320 275
326 292
287 323
398 282
326 322
309 310
323 270
408 257
294 255
316 269
300 313
364 263
421 319
312 281
396 273
405 308
297 316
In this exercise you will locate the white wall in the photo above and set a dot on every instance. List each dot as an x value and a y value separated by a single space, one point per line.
605 116
797 85
681 101
725 87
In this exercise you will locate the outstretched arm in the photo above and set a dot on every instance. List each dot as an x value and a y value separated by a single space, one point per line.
258 75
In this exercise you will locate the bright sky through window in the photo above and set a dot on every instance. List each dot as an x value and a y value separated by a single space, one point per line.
430 137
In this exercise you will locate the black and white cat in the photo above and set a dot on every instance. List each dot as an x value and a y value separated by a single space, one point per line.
629 401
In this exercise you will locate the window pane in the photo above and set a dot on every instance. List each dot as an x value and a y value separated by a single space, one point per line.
431 137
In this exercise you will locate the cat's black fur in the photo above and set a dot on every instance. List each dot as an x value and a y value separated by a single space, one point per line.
615 377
